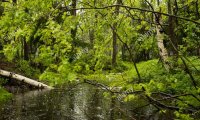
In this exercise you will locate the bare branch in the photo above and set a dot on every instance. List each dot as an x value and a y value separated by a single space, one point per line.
135 8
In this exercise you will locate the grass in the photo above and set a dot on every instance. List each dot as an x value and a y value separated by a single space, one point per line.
153 75
4 95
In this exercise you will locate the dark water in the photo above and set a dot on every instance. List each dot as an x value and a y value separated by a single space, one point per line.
80 102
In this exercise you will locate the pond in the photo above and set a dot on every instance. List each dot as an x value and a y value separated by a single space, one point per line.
76 102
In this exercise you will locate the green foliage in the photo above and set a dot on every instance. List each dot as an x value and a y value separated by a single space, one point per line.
183 116
4 95
2 80
45 56
155 78
192 37
58 74
10 51
25 68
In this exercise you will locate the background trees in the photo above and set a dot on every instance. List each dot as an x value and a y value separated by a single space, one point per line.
29 28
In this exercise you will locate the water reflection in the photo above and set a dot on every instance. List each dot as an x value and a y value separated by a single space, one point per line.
81 102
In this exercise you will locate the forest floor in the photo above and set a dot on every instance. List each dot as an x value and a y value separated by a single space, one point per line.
7 66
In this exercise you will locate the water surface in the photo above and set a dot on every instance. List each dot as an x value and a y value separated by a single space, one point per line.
76 102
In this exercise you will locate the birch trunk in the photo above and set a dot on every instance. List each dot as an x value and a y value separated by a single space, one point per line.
24 79
162 50
160 39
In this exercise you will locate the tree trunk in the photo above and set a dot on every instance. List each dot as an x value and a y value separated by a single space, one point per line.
1 10
171 30
26 50
73 13
24 79
114 53
73 31
92 31
197 9
160 40
91 37
123 52
162 50
15 1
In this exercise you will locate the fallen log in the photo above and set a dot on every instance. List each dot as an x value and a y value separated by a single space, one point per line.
24 79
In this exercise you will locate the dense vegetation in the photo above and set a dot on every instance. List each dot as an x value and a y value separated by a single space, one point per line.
146 48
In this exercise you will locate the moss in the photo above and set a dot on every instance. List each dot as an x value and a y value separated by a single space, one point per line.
4 95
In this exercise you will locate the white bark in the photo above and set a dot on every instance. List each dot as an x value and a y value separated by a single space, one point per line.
162 50
160 39
24 79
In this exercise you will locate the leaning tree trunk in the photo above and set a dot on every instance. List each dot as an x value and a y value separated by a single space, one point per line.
160 39
162 50
24 79
160 42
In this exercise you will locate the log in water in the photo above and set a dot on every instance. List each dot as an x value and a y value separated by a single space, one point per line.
24 79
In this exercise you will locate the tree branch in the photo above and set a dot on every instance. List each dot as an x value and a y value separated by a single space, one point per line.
135 8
